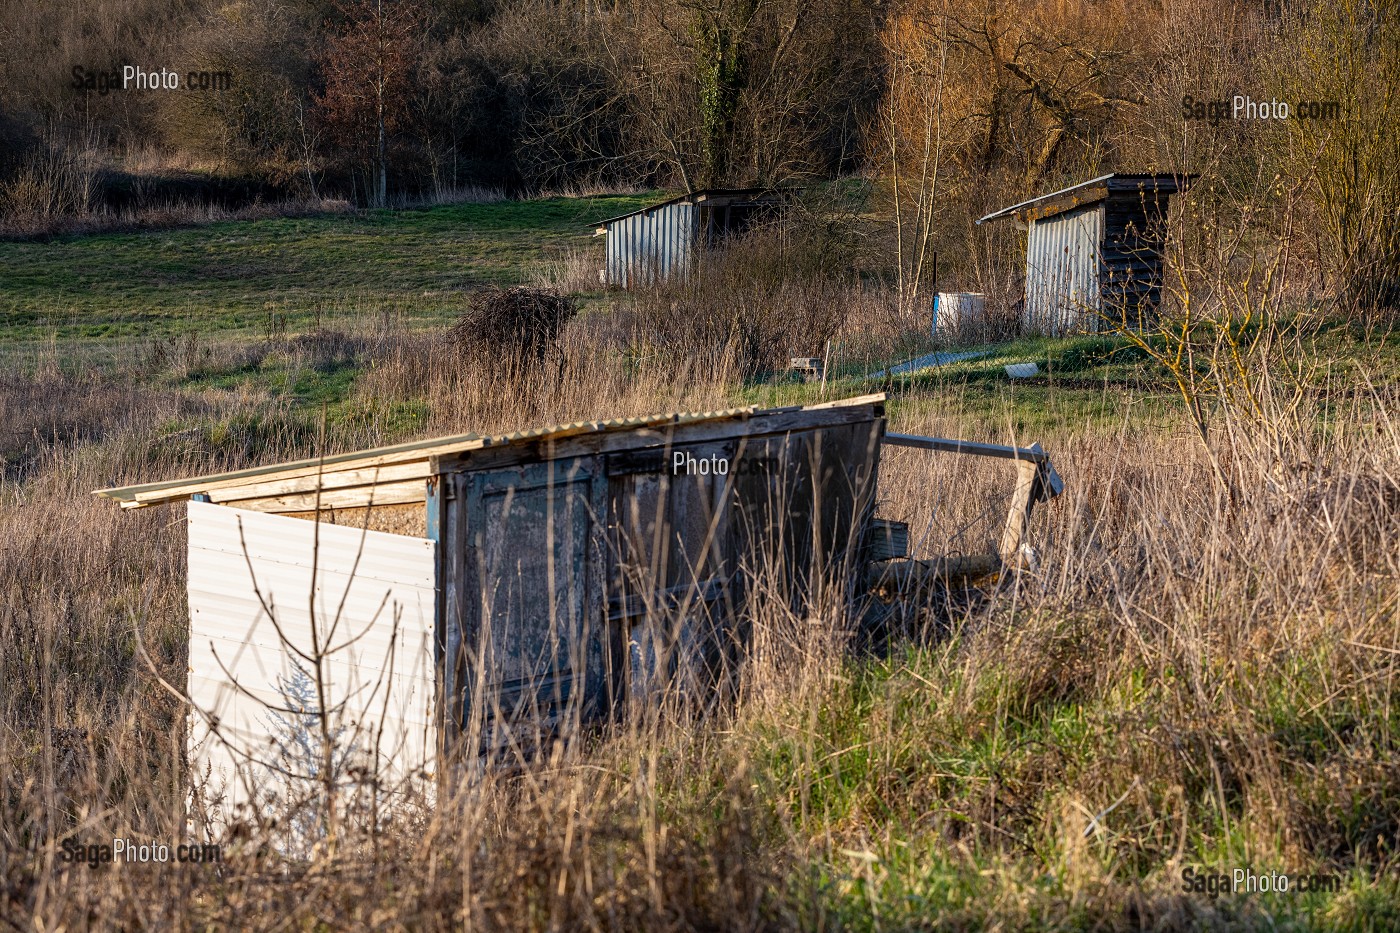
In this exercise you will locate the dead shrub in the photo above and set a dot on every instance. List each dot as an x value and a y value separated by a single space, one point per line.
518 325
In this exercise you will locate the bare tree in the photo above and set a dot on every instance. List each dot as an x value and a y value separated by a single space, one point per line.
912 124
742 91
1341 60
368 64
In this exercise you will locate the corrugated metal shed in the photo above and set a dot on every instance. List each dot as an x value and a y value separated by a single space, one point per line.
654 243
647 247
567 574
1062 271
1094 251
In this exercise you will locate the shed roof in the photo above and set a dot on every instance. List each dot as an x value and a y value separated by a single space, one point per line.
718 197
397 474
1094 190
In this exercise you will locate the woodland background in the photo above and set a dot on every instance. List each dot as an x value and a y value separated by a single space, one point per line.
945 108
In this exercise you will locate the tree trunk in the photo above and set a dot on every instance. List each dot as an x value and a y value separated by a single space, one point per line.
381 187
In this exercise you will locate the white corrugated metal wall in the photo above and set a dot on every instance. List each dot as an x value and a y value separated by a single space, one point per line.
374 604
648 247
1062 272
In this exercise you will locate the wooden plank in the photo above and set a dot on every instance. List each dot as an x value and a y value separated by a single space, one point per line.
154 493
144 496
454 591
345 479
1023 500
1036 481
1081 197
425 451
398 453
903 578
875 398
353 498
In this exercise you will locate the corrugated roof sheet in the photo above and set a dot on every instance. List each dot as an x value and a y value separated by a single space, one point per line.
703 194
226 486
1115 181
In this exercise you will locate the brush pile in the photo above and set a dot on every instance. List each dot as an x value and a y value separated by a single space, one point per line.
513 324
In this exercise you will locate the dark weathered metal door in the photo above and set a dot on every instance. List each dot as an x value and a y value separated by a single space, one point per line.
669 582
531 648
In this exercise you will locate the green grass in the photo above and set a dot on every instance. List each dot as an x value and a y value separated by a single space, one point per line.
992 746
944 786
88 302
1086 383
244 277
275 374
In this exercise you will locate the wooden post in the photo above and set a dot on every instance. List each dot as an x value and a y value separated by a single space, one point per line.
1035 481
1022 502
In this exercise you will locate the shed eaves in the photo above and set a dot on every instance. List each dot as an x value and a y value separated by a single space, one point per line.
400 470
1112 183
705 194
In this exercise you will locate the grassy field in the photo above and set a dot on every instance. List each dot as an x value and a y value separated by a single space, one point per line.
249 277
1199 674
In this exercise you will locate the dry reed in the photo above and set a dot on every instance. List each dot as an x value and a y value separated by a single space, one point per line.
1216 670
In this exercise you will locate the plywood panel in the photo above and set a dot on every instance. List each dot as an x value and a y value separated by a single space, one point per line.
668 536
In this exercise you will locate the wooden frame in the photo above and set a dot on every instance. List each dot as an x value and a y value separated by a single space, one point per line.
1036 481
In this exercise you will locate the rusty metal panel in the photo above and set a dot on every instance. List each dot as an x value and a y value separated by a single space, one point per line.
1062 272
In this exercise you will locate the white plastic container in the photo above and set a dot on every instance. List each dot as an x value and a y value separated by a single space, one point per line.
954 312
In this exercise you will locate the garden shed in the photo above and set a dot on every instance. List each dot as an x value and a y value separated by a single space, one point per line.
471 598
654 243
1094 251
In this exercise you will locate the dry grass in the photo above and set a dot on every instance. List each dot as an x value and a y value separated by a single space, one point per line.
27 217
572 271
1222 667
